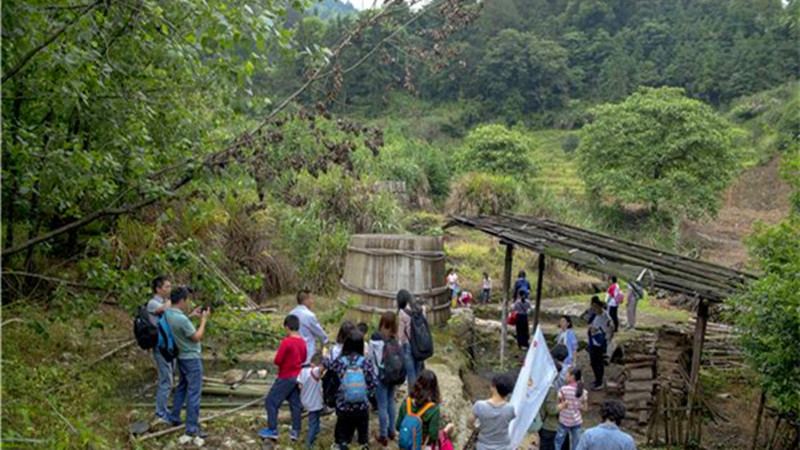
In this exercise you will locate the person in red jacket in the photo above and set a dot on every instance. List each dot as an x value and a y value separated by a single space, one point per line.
289 359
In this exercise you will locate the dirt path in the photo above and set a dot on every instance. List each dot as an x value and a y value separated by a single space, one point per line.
760 194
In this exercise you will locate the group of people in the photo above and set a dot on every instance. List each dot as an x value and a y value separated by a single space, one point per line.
358 374
463 297
353 376
560 424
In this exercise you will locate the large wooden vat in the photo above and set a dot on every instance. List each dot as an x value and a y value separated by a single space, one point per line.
378 265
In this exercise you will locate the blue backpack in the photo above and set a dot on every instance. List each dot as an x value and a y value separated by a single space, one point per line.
410 437
354 384
166 343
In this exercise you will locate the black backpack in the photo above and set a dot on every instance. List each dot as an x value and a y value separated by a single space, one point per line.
393 371
166 342
420 336
145 332
330 388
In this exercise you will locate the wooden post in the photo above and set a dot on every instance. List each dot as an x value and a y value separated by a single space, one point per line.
758 418
694 377
506 296
538 292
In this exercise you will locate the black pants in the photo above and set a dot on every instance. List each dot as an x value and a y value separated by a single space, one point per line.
613 311
547 440
596 357
347 423
523 332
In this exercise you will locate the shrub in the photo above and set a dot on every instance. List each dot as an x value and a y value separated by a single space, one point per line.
570 142
495 149
340 198
483 193
423 223
421 165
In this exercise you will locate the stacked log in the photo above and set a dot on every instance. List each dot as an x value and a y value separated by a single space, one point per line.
638 380
720 350
674 348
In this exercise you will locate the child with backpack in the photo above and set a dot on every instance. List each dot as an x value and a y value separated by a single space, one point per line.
290 358
356 376
419 416
494 414
389 361
572 399
310 380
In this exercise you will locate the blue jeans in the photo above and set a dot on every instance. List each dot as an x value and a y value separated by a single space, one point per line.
284 389
313 427
386 411
164 386
413 368
188 392
574 436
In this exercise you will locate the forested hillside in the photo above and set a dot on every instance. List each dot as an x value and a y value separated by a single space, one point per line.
524 58
236 145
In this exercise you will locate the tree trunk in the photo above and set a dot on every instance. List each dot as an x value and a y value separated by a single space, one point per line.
9 202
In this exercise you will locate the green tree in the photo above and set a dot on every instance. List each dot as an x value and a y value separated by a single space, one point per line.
658 149
522 73
768 313
100 97
495 149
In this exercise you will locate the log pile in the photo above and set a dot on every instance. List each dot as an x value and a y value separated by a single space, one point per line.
674 348
638 380
721 351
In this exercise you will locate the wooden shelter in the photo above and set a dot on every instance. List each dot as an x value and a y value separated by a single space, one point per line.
705 281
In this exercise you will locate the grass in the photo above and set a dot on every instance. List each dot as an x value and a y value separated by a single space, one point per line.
557 171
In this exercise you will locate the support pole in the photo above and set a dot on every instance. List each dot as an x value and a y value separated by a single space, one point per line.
506 297
758 418
699 338
538 292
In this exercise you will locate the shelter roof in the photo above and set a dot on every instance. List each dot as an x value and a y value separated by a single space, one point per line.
603 253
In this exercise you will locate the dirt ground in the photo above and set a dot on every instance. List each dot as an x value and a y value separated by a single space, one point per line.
759 195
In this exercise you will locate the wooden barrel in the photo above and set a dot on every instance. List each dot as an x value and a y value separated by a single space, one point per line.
379 265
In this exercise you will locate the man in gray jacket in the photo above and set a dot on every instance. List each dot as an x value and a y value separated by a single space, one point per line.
310 328
161 287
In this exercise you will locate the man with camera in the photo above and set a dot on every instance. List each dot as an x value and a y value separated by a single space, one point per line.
190 363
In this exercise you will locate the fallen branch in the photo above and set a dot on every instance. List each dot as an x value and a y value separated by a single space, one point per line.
227 281
111 353
53 279
14 320
203 420
61 416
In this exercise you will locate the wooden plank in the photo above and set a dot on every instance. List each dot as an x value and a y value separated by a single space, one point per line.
631 386
640 374
635 397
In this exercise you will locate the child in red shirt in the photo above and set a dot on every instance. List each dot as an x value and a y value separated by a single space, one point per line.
289 359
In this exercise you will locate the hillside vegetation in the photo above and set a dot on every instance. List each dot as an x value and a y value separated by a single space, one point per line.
236 146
